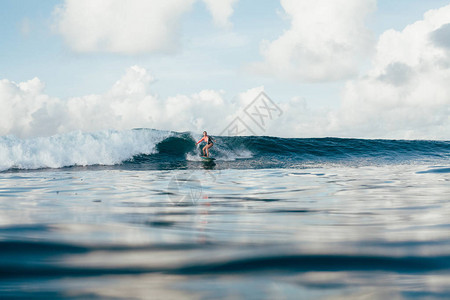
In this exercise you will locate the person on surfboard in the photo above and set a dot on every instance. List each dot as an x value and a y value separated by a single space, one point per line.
208 140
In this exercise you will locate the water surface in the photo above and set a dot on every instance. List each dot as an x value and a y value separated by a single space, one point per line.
325 232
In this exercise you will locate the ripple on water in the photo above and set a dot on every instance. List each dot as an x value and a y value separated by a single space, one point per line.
328 232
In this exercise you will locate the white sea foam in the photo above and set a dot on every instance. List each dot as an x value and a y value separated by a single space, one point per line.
222 153
107 147
233 154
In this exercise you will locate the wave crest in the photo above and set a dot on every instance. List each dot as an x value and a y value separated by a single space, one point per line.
107 147
156 149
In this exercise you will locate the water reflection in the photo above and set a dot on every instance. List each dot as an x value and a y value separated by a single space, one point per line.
380 232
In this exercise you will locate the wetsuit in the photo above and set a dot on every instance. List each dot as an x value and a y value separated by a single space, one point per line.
209 140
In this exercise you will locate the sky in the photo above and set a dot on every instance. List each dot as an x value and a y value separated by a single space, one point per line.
341 68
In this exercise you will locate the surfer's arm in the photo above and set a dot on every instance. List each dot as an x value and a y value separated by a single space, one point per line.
200 140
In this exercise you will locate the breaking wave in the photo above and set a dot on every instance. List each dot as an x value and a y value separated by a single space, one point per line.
156 149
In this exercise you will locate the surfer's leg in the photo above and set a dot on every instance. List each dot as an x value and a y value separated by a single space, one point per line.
204 148
207 149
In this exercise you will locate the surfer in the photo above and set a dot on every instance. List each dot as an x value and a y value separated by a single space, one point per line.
208 140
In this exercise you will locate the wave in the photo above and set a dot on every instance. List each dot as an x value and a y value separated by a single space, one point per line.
156 149
108 147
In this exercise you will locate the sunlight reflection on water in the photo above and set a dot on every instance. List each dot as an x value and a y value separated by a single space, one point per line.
325 232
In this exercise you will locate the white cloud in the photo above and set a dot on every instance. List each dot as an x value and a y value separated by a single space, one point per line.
326 41
19 102
407 93
29 112
221 11
372 108
128 27
404 95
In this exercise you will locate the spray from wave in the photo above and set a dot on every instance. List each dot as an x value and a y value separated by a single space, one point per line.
77 148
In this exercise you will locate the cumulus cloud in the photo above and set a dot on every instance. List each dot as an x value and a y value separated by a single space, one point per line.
406 94
373 107
128 27
441 36
221 10
19 102
29 112
326 41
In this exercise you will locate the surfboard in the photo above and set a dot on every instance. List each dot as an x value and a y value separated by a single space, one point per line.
205 158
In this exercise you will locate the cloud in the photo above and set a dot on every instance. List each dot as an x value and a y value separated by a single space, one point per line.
326 41
129 27
221 11
396 73
19 102
126 27
29 112
441 36
373 107
406 94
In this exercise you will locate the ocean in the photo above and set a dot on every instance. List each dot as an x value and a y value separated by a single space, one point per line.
137 214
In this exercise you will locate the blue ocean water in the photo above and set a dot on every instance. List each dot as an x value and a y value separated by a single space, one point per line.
137 214
148 149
